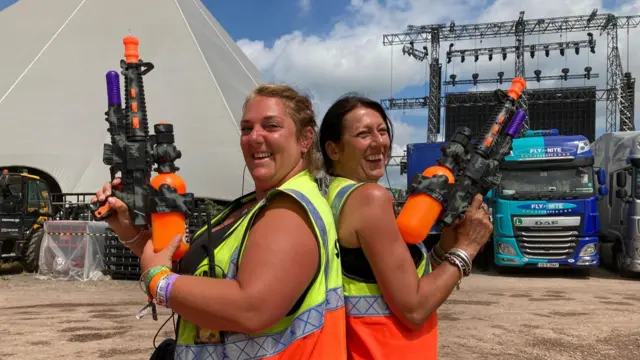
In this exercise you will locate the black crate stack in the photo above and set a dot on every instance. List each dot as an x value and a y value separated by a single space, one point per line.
119 262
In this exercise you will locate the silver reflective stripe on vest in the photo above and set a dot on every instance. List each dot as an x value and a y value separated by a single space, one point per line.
370 305
338 199
241 347
374 305
317 219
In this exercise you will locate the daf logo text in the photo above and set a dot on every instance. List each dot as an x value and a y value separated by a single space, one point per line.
546 222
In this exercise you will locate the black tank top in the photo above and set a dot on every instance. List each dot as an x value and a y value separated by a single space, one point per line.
203 246
356 266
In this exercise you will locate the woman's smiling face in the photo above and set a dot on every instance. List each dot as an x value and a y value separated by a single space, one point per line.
269 143
363 150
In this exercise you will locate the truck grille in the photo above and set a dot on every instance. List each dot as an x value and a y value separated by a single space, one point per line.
547 244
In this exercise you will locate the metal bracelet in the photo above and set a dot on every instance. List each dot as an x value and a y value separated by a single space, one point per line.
142 281
465 258
438 250
135 239
455 261
436 258
466 266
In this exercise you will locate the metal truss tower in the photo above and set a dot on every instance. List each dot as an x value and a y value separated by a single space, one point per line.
620 86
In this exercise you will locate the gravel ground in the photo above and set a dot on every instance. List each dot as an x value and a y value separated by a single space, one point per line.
524 316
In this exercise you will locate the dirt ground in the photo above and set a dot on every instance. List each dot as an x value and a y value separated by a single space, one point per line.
523 316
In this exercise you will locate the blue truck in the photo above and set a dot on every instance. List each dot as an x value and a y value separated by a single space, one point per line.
545 207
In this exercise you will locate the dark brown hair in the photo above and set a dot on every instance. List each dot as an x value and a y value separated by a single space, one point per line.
332 127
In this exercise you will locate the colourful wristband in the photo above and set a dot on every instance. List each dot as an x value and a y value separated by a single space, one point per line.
151 274
171 278
160 290
153 284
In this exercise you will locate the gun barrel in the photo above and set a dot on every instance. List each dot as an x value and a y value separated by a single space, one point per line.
131 53
504 113
113 88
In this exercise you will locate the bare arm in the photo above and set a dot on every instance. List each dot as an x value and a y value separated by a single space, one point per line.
139 244
412 299
278 264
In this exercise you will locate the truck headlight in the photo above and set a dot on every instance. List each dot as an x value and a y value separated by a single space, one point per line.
588 250
506 249
583 146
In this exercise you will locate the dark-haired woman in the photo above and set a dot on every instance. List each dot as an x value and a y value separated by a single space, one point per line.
391 291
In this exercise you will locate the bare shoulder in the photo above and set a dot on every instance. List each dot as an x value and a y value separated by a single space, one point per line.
371 195
367 204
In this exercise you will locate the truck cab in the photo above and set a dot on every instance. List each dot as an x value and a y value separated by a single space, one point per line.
25 204
545 208
618 155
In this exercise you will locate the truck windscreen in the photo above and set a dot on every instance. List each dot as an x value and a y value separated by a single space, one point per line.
543 184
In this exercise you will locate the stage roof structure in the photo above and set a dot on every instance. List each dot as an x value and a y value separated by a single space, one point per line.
53 88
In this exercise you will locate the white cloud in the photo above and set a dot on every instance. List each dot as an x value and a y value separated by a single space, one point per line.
304 5
351 57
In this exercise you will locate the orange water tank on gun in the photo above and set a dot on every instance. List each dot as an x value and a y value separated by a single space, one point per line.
422 209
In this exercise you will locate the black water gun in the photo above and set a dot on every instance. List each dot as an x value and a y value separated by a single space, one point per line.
443 192
160 203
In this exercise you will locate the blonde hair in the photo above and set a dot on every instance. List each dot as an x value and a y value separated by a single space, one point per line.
300 109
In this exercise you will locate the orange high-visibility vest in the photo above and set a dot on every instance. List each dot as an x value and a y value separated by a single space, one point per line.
373 331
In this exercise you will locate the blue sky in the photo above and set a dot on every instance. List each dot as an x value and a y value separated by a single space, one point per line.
269 20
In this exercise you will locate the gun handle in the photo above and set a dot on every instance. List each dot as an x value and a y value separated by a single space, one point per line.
102 210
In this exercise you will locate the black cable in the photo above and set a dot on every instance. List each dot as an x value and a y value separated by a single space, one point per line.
162 326
243 174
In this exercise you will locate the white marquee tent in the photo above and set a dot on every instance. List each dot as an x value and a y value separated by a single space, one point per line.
53 90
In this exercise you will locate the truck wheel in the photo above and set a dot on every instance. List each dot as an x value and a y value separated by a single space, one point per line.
31 251
618 261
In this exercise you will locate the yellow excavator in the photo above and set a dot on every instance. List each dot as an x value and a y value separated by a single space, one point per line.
25 204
